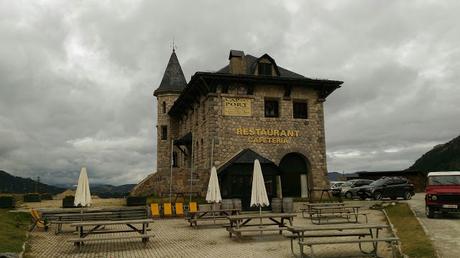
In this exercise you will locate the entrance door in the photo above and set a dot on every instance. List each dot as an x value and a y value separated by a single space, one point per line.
294 173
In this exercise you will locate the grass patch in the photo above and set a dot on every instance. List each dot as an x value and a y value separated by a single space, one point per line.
13 230
414 242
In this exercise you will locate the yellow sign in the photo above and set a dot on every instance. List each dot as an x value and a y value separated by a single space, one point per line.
237 106
261 135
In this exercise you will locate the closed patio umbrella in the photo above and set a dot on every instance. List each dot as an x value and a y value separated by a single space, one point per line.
259 193
83 195
213 194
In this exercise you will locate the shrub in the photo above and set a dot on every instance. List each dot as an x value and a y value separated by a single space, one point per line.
136 201
7 201
68 202
32 198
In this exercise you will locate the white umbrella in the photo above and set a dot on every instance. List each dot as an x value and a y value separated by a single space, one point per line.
259 193
213 194
83 195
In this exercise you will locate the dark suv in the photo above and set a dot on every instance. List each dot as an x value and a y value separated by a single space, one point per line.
392 187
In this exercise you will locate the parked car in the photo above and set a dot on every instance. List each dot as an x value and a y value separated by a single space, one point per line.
336 187
392 187
442 193
350 187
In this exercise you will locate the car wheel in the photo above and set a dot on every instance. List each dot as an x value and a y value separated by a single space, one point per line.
429 212
378 196
348 195
407 196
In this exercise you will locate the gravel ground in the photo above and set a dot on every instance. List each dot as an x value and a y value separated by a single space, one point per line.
443 231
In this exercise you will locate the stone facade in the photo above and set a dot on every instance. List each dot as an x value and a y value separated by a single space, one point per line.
225 113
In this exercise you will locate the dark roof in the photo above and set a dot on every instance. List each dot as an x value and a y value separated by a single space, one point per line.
204 82
173 79
246 156
251 62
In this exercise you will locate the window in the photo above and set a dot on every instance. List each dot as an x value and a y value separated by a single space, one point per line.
300 110
174 159
164 132
164 107
271 108
265 69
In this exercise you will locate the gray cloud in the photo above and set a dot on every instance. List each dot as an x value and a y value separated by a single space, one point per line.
76 78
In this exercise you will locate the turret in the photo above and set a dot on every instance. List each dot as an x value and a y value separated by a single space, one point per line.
170 88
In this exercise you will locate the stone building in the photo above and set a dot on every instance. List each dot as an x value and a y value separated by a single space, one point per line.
251 108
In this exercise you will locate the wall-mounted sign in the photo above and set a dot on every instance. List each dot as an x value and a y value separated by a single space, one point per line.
262 135
237 106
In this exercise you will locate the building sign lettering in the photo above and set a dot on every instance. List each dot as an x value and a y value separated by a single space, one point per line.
261 135
237 107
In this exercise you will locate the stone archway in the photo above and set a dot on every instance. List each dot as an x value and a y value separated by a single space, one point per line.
295 173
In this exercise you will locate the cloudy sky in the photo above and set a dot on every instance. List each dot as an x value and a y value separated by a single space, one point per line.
76 77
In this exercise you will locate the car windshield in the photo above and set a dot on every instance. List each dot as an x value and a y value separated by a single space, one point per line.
348 184
378 182
444 180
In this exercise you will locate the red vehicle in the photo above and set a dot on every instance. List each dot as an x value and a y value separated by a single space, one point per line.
442 193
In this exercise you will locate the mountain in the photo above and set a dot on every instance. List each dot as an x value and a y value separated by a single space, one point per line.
336 176
15 184
105 191
443 157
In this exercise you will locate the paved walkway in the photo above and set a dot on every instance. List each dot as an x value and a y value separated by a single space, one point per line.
174 238
443 231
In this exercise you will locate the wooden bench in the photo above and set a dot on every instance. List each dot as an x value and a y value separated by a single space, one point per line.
342 214
311 243
255 228
96 226
194 221
293 237
81 241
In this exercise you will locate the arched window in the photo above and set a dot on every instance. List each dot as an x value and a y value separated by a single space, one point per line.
164 107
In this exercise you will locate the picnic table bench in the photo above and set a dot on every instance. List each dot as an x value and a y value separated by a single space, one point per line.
308 206
65 216
194 217
95 227
321 214
240 223
340 234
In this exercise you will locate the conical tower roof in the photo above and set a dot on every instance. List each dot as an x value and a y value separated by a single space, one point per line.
173 79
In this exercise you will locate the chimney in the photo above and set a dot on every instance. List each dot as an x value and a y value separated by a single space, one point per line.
237 62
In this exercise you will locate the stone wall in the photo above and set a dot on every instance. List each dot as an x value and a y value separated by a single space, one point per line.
164 146
207 124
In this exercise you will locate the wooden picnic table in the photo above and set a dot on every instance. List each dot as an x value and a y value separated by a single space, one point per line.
240 223
319 213
340 234
214 215
68 218
60 218
95 227
313 204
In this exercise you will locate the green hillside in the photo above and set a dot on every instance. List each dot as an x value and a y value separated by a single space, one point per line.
443 157
15 184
